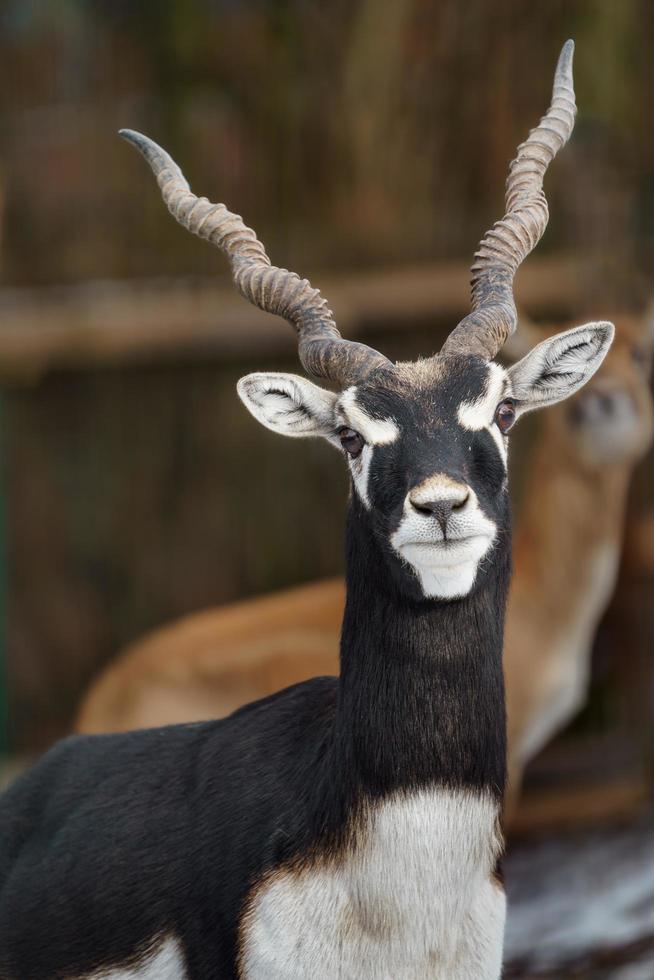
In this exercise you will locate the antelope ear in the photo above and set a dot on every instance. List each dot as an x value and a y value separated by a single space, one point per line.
559 366
289 404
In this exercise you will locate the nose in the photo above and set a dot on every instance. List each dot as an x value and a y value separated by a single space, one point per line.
439 505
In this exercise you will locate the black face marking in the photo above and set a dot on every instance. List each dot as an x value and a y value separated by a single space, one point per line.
488 474
431 441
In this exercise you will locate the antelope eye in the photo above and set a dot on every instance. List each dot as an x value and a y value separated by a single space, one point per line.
505 415
639 356
351 441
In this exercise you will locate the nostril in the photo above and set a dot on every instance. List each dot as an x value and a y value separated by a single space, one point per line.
426 508
441 508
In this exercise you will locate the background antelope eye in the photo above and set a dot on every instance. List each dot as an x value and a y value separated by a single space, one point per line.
505 415
351 441
639 356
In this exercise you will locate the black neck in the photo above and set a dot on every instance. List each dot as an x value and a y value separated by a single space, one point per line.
421 698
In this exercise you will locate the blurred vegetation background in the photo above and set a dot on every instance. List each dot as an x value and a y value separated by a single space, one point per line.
362 139
355 133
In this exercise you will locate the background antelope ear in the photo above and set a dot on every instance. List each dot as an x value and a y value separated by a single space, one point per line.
289 404
559 366
527 335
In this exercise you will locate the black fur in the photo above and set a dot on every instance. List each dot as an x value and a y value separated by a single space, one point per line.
422 695
113 842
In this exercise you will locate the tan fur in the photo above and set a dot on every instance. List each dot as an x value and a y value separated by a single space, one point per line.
571 523
566 555
210 663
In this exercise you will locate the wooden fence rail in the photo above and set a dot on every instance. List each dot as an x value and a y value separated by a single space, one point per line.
105 322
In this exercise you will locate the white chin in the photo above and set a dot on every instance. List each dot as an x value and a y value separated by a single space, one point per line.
447 572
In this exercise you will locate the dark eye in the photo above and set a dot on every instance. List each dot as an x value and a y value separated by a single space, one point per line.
351 441
505 415
639 356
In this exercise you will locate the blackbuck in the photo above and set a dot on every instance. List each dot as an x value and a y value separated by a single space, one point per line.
565 558
344 827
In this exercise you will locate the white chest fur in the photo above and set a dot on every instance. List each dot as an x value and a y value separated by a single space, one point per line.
416 899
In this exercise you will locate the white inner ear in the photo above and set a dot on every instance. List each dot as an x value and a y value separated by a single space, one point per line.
559 366
289 404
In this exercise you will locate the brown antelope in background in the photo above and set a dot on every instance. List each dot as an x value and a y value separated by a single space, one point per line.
569 539
566 549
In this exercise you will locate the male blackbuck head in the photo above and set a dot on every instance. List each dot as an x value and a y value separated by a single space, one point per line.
426 442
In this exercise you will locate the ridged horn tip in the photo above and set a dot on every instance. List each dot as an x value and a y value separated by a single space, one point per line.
133 137
155 155
564 64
